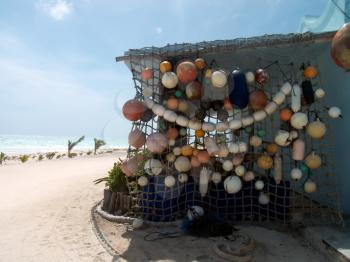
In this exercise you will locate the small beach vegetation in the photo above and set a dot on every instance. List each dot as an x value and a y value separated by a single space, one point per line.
3 157
72 144
98 144
50 155
24 158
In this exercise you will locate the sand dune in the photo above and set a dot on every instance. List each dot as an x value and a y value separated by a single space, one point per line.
45 210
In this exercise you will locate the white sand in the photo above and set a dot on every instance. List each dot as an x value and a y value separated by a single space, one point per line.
45 210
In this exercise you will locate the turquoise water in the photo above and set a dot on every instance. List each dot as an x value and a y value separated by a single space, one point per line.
18 144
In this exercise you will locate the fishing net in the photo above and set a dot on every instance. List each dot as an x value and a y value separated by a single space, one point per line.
288 203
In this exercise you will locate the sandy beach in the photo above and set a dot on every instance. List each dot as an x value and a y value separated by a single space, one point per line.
45 209
45 216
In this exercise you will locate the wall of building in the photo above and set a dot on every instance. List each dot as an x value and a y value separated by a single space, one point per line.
337 85
336 82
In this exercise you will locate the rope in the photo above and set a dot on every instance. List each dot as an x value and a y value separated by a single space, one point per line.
154 236
240 254
108 247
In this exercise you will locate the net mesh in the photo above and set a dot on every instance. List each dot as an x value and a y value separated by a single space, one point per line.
288 201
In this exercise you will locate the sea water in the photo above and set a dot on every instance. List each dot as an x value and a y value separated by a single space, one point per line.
22 144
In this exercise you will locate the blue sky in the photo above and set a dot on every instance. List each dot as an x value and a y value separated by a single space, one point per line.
58 75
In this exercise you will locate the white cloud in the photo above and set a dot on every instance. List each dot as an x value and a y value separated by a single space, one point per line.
57 9
159 30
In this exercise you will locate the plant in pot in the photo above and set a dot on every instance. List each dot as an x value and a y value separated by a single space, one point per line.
116 195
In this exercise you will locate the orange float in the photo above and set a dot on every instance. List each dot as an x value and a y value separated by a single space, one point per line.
186 72
172 133
200 63
310 72
172 103
133 110
186 150
199 133
265 162
257 99
272 148
203 156
165 66
340 50
285 114
146 74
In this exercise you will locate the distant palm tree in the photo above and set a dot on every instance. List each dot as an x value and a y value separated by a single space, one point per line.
98 144
71 145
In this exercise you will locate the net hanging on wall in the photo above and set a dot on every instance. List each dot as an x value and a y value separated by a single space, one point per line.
205 147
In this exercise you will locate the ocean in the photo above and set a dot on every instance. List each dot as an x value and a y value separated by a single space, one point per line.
21 144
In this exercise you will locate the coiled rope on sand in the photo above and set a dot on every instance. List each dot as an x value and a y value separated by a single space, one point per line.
224 250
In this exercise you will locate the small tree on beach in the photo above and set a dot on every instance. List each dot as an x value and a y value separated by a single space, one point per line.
72 144
3 157
98 144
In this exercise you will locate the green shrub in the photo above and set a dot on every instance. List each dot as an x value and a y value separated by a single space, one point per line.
89 153
24 158
115 180
40 157
58 156
71 155
50 155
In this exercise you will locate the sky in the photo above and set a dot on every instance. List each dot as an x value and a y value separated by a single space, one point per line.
58 74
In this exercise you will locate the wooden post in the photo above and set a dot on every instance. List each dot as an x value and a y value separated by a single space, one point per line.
106 199
117 203
112 203
121 207
127 203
